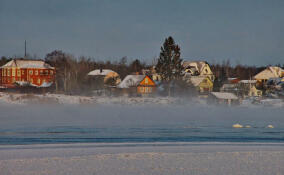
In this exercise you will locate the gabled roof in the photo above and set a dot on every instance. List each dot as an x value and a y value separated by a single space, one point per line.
269 72
131 80
199 65
224 95
27 64
103 72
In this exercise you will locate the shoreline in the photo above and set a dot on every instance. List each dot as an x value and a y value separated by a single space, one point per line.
151 158
63 99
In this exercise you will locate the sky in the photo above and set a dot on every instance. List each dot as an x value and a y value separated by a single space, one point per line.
244 31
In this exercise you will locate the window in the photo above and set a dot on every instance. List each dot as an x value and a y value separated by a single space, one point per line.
51 72
141 89
38 81
13 72
36 72
18 73
146 89
8 72
30 72
4 72
23 73
46 72
146 81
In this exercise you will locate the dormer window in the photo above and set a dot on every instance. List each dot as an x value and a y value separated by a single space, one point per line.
206 70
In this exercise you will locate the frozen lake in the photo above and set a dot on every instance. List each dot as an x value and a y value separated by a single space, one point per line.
39 124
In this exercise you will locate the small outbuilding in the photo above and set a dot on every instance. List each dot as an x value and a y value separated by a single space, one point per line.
224 98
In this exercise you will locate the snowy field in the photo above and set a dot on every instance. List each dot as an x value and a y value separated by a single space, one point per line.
154 158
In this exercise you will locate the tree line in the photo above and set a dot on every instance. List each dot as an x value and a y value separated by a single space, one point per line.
71 72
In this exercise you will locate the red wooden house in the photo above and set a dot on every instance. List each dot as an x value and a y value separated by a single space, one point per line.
34 73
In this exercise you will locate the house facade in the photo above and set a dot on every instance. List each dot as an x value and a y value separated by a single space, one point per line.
139 84
198 68
146 86
269 72
34 73
202 84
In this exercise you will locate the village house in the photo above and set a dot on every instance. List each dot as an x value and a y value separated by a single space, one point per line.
35 73
202 84
269 72
241 88
198 68
223 98
137 85
249 88
109 76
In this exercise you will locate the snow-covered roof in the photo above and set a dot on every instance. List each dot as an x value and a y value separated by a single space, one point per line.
196 80
269 72
248 81
103 72
22 83
199 65
27 64
224 95
43 85
131 80
27 83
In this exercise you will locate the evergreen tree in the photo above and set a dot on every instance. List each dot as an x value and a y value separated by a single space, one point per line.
169 63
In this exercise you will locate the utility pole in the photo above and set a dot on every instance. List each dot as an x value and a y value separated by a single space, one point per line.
25 49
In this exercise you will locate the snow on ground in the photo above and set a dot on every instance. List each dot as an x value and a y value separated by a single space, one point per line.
16 98
159 159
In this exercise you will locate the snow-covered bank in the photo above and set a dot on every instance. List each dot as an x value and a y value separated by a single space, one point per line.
20 98
17 98
198 158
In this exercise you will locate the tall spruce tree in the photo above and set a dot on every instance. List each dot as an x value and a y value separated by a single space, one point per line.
169 63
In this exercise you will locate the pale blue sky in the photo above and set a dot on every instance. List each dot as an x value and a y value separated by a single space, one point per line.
244 31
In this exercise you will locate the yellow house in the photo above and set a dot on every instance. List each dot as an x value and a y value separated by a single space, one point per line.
198 68
269 72
203 84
